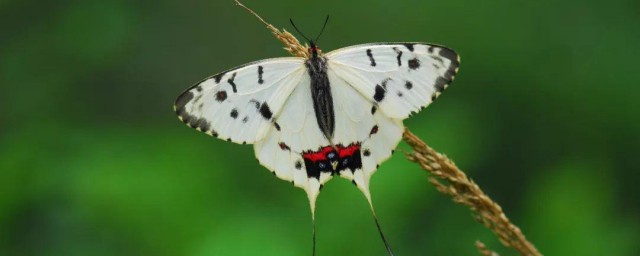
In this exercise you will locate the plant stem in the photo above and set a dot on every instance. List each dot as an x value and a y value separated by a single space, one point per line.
451 181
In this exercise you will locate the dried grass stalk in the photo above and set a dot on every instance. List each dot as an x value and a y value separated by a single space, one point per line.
291 44
447 178
484 250
450 180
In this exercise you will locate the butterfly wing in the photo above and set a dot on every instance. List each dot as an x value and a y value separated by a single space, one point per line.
400 78
267 103
359 122
297 132
375 87
240 104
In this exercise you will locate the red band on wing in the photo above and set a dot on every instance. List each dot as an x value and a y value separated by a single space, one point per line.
318 155
348 151
321 155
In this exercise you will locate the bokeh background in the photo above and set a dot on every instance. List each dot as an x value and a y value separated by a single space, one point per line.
544 115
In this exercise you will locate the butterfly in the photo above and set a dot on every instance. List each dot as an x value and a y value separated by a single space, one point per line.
331 114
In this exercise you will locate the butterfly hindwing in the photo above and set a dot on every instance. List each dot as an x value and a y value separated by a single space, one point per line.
282 150
238 105
358 122
401 78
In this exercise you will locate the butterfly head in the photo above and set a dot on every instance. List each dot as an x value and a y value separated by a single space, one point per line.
313 49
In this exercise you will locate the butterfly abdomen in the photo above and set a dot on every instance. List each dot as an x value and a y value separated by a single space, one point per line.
321 95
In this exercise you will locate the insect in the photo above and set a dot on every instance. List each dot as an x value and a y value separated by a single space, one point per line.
332 114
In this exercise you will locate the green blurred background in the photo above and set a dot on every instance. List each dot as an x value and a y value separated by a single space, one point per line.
544 115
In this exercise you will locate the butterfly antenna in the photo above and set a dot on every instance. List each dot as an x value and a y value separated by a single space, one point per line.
294 26
322 30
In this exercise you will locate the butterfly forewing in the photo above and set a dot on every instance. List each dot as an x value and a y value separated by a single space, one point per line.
240 104
401 78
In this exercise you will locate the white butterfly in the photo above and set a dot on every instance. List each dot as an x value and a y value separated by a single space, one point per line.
333 114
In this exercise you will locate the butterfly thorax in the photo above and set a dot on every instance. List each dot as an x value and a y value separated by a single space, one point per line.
321 93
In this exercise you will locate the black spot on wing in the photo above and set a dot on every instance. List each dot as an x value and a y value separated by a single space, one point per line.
384 82
199 88
352 162
182 100
197 99
449 74
439 60
408 85
265 111
414 63
399 57
276 125
218 77
373 109
284 146
379 94
430 49
245 119
409 46
234 113
298 165
374 130
194 122
221 96
453 67
200 124
260 72
315 168
441 83
373 61
366 152
256 103
233 84
184 117
449 54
